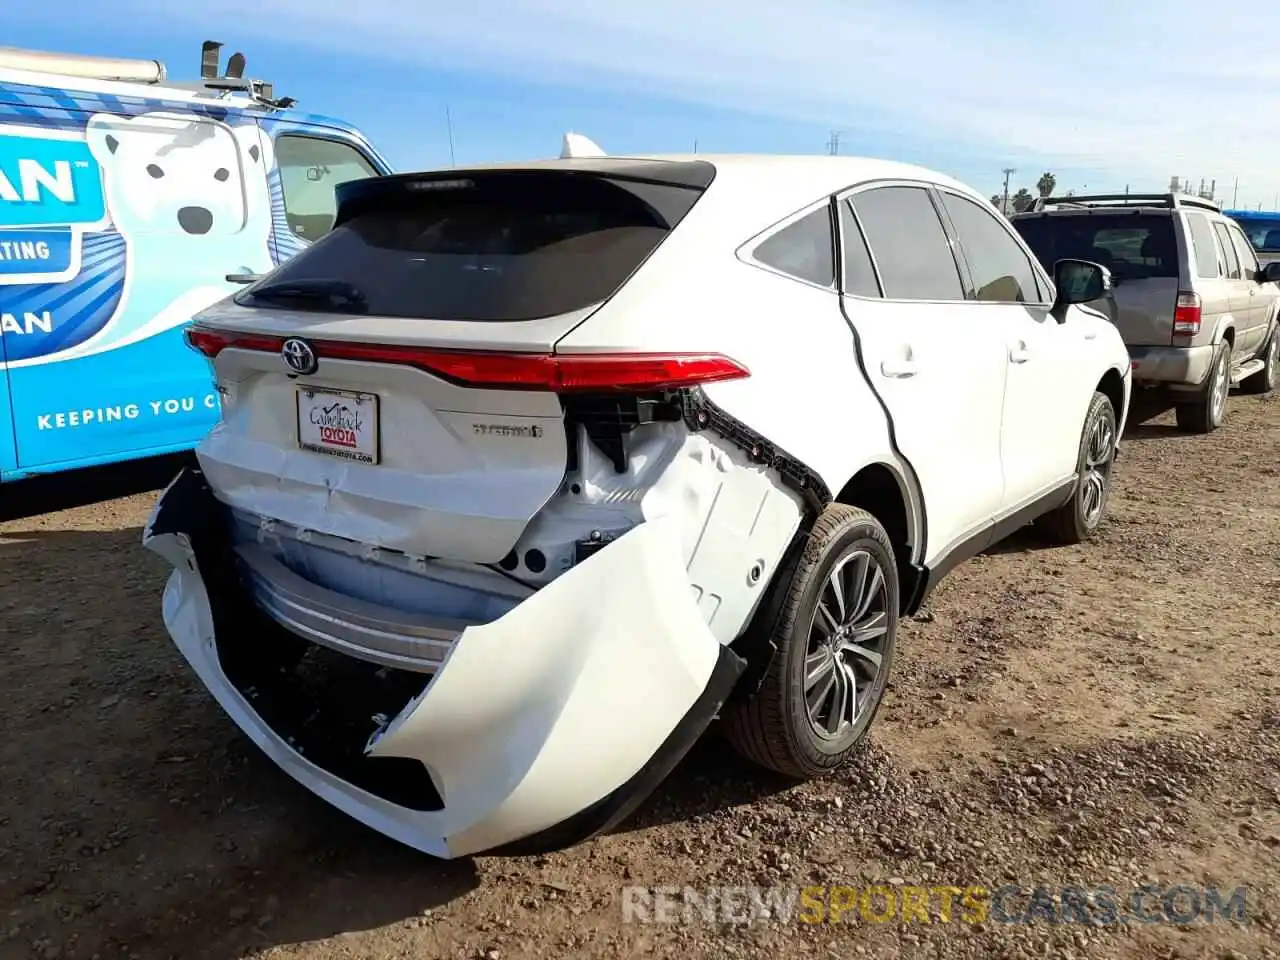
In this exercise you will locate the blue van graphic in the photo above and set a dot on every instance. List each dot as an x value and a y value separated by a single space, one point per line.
124 209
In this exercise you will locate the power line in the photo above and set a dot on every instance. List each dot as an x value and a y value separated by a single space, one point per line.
448 120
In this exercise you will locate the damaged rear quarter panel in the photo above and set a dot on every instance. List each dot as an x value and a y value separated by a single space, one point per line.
806 392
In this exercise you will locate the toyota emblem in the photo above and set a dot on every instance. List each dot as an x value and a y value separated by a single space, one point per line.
299 356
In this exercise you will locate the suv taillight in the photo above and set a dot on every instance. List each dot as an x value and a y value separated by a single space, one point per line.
1186 315
562 373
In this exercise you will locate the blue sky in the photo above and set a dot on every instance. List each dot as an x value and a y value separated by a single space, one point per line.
963 88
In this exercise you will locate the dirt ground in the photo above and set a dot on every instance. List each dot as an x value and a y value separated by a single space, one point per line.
1098 715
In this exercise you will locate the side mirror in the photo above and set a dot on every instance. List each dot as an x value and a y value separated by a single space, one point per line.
1270 273
1079 281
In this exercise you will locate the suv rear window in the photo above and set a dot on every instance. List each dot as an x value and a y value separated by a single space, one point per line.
485 246
1133 246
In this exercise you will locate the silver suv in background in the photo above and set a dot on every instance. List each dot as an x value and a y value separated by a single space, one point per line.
1195 308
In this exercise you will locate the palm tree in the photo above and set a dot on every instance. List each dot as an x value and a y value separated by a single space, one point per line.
1022 199
1046 183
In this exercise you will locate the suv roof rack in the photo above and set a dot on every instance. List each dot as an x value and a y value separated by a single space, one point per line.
1171 201
152 72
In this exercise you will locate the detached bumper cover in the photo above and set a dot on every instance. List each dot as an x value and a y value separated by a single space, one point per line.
540 729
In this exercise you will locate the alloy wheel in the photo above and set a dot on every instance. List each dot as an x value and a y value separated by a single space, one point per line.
1218 399
1098 458
847 636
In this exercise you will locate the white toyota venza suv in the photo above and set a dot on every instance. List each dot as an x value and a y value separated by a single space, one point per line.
526 473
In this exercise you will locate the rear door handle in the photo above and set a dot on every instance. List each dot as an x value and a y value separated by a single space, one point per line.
1018 353
900 368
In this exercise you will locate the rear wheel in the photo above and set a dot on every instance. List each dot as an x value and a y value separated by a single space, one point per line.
1078 519
1264 381
1205 414
834 641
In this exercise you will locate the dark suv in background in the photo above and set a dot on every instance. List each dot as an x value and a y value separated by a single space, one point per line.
1194 306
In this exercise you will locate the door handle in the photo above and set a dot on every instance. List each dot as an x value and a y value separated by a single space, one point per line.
1018 353
1091 334
899 368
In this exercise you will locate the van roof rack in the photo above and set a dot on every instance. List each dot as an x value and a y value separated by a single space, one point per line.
154 72
1171 201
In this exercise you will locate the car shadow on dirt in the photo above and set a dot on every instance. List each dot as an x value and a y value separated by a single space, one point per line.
711 779
78 488
195 844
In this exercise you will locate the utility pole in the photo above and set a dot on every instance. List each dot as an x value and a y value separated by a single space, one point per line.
448 120
833 145
1004 205
1235 194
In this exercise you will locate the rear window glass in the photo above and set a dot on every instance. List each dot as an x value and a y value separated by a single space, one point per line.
1132 246
804 249
501 247
1263 234
1205 249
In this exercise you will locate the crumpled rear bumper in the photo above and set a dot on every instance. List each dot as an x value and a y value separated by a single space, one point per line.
540 729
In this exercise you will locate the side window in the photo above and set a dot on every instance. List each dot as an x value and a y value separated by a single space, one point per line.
1228 251
859 272
1206 252
804 249
1001 272
310 168
909 244
1248 259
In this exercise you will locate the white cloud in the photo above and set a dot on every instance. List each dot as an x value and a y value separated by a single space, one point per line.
1144 90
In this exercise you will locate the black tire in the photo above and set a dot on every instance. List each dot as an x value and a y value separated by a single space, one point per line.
1265 380
773 727
1205 414
1079 518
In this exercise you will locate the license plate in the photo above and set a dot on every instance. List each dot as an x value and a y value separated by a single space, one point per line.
340 423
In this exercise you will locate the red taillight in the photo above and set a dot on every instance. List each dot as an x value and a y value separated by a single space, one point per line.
511 371
1186 315
212 342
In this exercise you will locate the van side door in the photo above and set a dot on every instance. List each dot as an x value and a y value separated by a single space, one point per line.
61 268
109 376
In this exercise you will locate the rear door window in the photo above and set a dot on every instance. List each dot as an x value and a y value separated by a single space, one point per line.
1248 259
490 246
859 272
1228 251
909 244
804 249
1206 251
1133 246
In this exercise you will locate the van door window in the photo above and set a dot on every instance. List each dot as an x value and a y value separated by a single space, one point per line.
310 169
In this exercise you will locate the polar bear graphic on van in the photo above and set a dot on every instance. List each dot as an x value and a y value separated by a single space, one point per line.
189 195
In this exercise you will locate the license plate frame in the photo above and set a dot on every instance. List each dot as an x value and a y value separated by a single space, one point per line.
312 438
